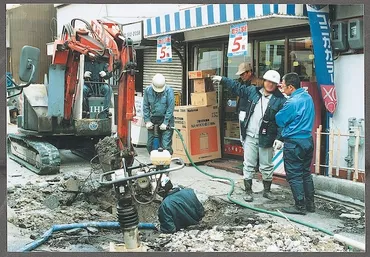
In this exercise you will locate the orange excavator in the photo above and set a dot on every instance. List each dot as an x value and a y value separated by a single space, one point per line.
53 116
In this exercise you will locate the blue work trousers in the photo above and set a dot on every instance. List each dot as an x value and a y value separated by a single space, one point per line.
298 155
165 140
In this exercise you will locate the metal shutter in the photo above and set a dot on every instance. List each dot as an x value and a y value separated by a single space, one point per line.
171 70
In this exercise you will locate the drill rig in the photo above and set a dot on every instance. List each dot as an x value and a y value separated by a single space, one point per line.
53 116
51 122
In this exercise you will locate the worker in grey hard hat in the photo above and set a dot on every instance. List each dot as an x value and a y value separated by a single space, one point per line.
259 131
158 107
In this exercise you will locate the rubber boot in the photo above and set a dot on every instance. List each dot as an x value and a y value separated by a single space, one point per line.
298 208
267 191
248 190
310 205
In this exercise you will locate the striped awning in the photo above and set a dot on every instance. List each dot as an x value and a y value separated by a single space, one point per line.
218 14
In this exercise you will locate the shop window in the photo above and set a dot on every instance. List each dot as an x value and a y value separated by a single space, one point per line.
301 58
209 58
271 56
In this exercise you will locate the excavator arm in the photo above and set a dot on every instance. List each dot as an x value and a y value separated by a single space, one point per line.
101 39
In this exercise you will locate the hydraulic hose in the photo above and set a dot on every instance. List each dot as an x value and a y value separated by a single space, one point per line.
337 237
55 228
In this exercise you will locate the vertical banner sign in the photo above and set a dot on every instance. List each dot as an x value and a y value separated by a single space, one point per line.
238 40
164 49
324 63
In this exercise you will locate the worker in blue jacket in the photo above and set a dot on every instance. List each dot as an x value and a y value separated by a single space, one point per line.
179 209
158 108
297 119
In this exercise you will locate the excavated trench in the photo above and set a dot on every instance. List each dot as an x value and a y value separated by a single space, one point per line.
226 227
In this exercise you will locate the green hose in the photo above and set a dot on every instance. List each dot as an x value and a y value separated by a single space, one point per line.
242 203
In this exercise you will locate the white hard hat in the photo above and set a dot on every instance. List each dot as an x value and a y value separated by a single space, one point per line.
272 75
159 83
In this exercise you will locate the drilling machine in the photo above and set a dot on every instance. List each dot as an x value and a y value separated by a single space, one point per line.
51 122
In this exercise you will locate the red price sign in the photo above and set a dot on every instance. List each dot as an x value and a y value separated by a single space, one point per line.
164 50
236 44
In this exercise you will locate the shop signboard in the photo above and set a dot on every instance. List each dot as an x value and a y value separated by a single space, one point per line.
164 49
238 40
324 63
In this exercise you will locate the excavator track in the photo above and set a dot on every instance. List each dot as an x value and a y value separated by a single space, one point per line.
38 156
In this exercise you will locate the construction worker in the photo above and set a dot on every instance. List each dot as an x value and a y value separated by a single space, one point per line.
297 119
259 131
96 71
158 107
247 78
179 209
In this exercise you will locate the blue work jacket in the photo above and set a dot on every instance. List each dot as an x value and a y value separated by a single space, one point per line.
159 106
297 116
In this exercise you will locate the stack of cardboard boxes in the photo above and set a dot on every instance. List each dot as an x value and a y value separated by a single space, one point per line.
203 93
199 122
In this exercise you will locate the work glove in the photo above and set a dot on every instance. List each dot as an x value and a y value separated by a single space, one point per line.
216 79
149 125
163 126
277 145
87 74
102 74
242 115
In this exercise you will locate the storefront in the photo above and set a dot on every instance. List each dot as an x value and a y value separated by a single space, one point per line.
278 38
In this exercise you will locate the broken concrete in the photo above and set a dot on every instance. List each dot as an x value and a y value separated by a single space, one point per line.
226 227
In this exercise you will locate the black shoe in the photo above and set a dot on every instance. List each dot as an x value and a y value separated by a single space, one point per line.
248 190
294 210
267 191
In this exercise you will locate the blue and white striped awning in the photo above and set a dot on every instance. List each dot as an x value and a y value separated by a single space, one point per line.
218 14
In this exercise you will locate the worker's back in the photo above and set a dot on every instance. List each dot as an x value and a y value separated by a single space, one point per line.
181 208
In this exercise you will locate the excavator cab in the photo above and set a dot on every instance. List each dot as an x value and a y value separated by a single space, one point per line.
97 92
94 102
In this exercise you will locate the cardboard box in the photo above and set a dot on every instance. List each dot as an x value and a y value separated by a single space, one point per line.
203 85
199 126
201 74
204 99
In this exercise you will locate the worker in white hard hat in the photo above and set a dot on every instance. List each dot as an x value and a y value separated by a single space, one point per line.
159 104
260 134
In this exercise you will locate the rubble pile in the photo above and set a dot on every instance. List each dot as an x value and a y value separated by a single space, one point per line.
40 204
268 237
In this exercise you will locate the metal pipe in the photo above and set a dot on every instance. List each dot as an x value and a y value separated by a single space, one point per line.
131 238
54 228
347 135
349 241
344 168
140 175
